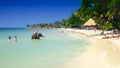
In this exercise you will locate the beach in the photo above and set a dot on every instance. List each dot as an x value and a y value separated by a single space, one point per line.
70 48
60 34
101 53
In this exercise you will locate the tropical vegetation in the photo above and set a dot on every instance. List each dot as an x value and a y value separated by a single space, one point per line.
106 13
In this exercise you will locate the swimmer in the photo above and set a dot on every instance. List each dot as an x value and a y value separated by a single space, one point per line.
15 39
9 39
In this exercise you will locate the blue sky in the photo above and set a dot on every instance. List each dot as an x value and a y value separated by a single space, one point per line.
19 13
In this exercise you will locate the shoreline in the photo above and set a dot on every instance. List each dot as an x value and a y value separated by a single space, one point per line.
101 53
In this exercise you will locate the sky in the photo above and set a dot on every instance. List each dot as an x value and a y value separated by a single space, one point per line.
19 13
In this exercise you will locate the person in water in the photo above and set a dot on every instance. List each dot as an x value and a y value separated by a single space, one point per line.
9 39
15 39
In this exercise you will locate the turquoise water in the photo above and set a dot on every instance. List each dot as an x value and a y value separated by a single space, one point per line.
53 51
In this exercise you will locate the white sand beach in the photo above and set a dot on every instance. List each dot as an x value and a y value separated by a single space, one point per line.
101 53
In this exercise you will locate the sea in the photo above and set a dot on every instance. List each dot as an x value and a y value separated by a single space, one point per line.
51 51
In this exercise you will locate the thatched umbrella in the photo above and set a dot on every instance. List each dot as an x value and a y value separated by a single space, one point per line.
90 22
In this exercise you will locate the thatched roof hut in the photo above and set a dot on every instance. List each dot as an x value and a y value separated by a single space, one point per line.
90 22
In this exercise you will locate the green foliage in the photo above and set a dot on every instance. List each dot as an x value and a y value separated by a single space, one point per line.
74 21
108 26
106 13
57 24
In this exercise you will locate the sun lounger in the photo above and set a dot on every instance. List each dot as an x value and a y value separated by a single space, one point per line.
107 37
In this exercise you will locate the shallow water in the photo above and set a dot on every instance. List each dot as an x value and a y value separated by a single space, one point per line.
53 51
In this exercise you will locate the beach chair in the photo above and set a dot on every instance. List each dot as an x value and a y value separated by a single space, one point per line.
106 37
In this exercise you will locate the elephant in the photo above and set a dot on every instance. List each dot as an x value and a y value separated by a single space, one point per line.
37 36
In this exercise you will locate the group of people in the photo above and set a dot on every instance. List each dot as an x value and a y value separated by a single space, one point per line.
9 39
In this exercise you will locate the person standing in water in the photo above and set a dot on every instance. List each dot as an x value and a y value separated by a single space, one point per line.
9 39
15 39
